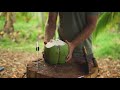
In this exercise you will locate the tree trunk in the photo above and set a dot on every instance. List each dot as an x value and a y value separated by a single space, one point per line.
8 27
39 69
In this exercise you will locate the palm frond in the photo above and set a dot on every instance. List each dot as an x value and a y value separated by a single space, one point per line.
106 19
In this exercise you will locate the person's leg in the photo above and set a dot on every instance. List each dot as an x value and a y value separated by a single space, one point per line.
1 69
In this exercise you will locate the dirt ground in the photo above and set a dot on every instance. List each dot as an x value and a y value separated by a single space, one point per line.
15 65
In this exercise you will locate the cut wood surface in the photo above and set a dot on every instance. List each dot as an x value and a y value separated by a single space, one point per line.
39 69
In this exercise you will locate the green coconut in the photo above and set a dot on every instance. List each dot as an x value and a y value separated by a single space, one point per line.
56 52
63 54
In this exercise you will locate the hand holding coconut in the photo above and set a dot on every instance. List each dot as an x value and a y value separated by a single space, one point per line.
71 49
70 45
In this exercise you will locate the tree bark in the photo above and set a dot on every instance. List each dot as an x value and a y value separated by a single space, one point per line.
8 27
40 69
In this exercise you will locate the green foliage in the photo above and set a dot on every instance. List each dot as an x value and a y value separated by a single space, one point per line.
107 45
106 21
28 33
2 21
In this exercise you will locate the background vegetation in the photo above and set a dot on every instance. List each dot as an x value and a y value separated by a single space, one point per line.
19 31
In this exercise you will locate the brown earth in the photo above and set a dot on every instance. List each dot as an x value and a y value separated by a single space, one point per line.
15 65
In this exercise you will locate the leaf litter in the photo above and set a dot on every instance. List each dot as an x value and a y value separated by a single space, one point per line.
15 65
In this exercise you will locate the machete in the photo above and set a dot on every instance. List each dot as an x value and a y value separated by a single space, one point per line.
86 65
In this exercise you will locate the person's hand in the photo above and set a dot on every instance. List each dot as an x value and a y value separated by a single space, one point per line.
71 49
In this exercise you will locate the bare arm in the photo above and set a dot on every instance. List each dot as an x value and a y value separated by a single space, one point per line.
50 27
92 20
88 30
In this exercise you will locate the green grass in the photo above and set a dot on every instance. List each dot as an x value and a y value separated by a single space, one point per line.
107 45
27 37
23 46
22 25
1 23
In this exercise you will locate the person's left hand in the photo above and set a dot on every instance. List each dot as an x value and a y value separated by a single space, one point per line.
71 49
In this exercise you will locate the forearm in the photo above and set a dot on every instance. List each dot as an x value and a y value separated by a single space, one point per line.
49 32
88 30
51 26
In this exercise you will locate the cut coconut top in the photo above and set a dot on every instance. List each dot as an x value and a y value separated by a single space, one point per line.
55 43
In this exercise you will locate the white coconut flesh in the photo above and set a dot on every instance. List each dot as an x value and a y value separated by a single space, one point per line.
55 43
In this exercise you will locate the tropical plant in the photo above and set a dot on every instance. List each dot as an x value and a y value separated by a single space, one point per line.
106 21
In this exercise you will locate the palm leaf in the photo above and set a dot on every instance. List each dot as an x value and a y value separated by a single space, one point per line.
103 21
106 19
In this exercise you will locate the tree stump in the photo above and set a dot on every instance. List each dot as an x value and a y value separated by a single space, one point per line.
40 69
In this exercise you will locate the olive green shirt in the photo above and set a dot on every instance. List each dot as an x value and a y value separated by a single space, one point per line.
71 25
